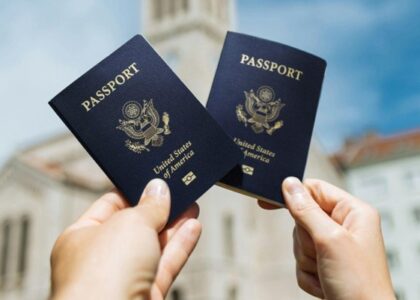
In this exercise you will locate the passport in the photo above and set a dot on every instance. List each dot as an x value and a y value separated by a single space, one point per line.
138 121
265 96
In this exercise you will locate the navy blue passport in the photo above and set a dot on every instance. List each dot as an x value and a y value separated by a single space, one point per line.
138 121
265 96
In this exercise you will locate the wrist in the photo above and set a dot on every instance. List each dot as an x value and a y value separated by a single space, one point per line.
88 292
380 294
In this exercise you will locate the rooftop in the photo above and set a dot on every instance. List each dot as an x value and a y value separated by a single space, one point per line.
64 159
373 148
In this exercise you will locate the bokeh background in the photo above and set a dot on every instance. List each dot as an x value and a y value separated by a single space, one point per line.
367 132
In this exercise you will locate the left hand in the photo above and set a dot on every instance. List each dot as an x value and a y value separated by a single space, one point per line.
117 252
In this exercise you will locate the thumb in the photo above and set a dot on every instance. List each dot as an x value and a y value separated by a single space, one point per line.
305 210
154 204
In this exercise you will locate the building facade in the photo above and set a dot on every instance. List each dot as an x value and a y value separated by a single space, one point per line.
240 255
385 171
42 190
244 252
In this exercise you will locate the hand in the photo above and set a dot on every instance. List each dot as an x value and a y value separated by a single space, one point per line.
117 252
338 243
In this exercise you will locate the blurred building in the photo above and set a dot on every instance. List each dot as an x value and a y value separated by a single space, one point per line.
386 172
42 190
244 253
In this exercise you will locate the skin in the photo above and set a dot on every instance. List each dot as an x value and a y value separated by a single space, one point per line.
117 252
338 244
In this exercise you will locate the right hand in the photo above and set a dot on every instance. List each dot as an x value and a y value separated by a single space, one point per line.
119 252
338 243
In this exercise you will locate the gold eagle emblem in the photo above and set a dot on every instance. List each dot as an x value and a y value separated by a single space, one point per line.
262 109
141 125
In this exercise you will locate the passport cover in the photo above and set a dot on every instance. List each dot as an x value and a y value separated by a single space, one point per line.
265 96
138 121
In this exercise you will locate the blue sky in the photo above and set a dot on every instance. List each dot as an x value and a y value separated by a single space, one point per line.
372 49
373 54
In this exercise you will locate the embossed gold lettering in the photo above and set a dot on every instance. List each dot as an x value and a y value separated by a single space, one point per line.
272 66
244 58
110 87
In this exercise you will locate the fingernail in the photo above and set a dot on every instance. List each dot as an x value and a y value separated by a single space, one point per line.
156 188
294 186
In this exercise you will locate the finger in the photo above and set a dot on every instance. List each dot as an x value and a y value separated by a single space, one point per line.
327 195
166 235
339 204
266 205
309 283
303 261
304 240
154 204
305 210
176 254
101 210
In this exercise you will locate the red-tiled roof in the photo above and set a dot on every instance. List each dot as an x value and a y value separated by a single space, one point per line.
373 148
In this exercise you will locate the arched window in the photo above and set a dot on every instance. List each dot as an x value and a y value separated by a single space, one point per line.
23 245
4 254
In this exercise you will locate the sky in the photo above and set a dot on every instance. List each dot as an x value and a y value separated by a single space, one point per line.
372 49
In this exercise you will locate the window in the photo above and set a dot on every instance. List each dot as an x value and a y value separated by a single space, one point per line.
416 214
23 245
13 265
374 188
221 9
176 294
232 293
172 7
413 179
399 295
208 6
228 238
387 221
4 258
157 9
393 259
185 5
